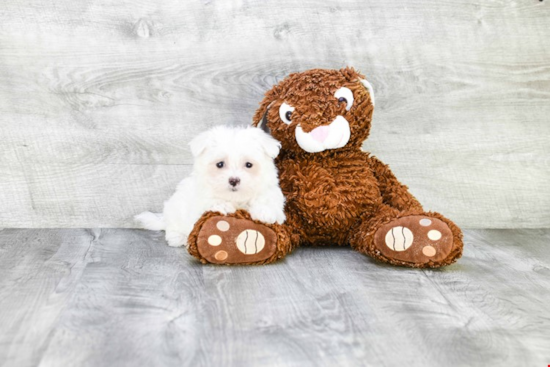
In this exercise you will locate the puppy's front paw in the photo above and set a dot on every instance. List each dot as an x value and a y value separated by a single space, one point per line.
281 217
224 208
176 239
267 215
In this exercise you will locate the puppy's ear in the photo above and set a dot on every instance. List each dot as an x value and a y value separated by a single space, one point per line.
272 147
199 143
269 144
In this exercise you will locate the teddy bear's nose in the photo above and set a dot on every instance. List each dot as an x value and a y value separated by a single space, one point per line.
320 133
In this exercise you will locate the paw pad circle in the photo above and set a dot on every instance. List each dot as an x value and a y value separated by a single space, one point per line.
221 255
434 235
399 238
429 251
250 242
222 225
425 222
214 240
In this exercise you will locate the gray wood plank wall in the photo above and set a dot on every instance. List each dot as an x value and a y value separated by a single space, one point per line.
99 100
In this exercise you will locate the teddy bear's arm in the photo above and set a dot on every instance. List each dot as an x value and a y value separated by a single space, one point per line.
393 192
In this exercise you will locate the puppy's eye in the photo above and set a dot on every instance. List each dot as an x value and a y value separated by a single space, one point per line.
285 113
344 95
248 165
219 164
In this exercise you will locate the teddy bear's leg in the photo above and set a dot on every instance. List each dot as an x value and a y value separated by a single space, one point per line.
237 239
414 239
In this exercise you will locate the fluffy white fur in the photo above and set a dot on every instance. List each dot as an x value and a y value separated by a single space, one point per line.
211 188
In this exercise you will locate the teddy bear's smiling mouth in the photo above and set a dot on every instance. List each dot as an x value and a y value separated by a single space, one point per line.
332 136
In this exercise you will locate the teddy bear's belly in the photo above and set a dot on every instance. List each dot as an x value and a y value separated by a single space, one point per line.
328 202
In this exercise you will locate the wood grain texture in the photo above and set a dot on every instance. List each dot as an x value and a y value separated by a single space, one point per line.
124 298
98 102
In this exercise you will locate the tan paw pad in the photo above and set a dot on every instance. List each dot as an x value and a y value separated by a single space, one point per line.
414 239
228 240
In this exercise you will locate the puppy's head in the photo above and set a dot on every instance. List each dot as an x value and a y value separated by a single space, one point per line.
234 163
318 110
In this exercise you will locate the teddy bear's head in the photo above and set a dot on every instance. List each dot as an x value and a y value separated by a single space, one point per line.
318 110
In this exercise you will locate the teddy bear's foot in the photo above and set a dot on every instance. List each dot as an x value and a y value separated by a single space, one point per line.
415 240
228 240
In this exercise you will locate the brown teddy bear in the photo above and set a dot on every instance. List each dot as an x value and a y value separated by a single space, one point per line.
336 193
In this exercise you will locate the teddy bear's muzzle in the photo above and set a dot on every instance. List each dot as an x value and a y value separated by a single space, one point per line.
332 136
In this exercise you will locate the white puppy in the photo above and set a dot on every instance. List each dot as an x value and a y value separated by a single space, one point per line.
233 169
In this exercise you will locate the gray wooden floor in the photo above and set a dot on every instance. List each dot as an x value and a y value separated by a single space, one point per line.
121 297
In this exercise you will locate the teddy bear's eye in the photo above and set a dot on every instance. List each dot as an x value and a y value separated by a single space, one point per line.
345 95
285 113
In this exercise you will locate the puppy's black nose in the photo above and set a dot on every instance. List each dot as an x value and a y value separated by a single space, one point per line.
234 181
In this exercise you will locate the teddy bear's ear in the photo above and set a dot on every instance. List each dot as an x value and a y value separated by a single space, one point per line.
367 85
260 117
262 123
